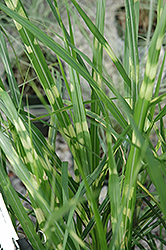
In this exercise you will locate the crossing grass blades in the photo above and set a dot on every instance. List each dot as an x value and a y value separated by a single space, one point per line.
67 207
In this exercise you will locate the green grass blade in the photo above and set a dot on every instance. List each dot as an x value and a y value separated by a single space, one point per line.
11 79
97 61
51 90
103 42
159 9
36 193
81 192
79 115
150 72
14 201
157 88
81 125
140 112
66 57
114 194
70 225
41 68
22 172
132 38
65 182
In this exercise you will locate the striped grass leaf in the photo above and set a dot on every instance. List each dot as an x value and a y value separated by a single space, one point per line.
43 209
97 61
83 123
39 189
132 39
43 149
14 202
30 155
59 50
114 194
22 172
103 42
41 68
70 226
110 85
112 110
140 152
140 112
56 13
98 217
94 117
80 123
81 192
155 173
150 72
66 57
79 115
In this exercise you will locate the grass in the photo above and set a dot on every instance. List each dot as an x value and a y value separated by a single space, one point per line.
67 208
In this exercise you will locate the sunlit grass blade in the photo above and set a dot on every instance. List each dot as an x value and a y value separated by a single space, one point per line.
132 39
159 9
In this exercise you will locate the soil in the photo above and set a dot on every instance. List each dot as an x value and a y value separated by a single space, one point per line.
120 20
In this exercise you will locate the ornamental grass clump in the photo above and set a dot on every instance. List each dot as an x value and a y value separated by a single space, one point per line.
67 207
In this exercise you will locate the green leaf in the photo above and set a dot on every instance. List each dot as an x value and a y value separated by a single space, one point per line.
16 205
15 93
